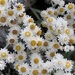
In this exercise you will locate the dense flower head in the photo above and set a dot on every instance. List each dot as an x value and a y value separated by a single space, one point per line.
35 52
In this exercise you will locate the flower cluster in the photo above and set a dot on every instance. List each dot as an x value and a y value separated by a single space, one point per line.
29 42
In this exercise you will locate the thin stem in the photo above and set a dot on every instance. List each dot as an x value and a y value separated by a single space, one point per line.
34 12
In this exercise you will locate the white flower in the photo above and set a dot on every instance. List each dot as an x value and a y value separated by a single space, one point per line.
67 48
63 38
23 69
21 57
4 53
50 11
15 30
69 7
19 47
11 39
35 60
50 54
10 58
34 71
61 10
26 34
2 65
68 65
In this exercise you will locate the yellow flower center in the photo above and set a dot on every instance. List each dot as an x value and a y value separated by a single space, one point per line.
3 19
52 54
45 44
31 20
71 41
56 13
65 39
39 43
59 31
39 32
50 19
21 15
2 2
36 60
49 12
19 7
61 9
68 65
27 33
48 36
14 32
44 71
18 47
51 28
0 11
20 57
70 6
10 12
56 45
67 31
74 13
68 17
32 26
35 72
4 54
12 41
17 66
60 62
33 42
13 21
23 69
73 25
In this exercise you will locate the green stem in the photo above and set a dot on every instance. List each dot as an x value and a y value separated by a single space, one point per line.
35 13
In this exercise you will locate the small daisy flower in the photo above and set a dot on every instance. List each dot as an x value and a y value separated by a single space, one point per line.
44 14
35 60
68 65
50 54
51 20
19 8
3 20
63 38
3 3
11 39
31 43
23 69
49 35
21 57
44 24
68 31
2 65
16 65
46 45
67 48
4 53
11 14
19 47
56 12
34 71
10 58
68 17
69 7
15 30
25 34
50 11
61 10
